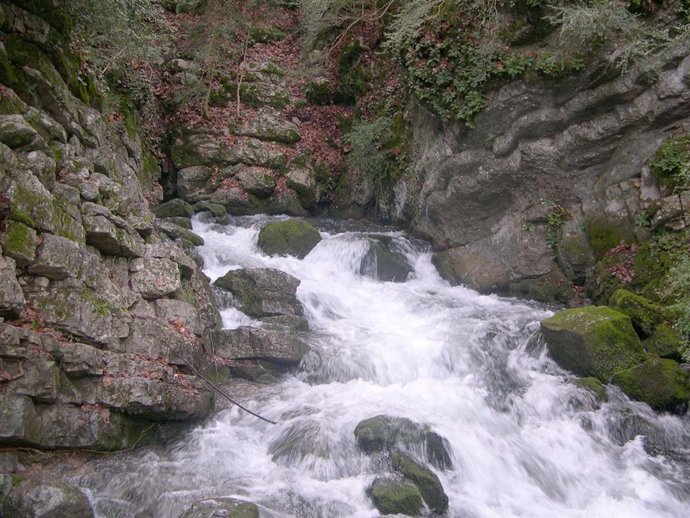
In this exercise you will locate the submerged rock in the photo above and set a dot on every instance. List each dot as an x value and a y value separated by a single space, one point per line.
293 237
395 496
662 384
592 341
47 499
384 433
222 507
384 263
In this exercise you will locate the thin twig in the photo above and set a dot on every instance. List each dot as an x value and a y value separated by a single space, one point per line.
218 389
241 72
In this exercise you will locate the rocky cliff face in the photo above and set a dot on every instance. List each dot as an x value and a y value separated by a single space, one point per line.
552 176
101 314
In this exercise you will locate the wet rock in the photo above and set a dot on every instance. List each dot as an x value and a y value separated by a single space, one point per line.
11 296
58 258
662 384
253 343
173 208
292 237
222 507
426 480
384 433
269 126
37 498
19 243
262 292
215 209
594 386
592 341
154 277
644 314
394 496
383 263
258 182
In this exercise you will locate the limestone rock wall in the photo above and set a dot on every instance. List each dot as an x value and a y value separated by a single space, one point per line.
100 313
554 174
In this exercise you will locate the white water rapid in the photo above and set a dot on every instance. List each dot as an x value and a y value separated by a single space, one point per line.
526 441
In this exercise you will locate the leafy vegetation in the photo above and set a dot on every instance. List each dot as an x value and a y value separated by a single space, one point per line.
671 163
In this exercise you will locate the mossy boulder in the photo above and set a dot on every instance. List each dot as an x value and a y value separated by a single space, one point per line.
174 208
644 314
426 480
662 384
592 341
395 496
293 237
19 243
665 342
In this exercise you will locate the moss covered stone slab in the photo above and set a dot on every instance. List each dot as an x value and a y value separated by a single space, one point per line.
665 342
662 384
644 314
173 208
293 237
226 507
394 496
592 341
426 480
19 243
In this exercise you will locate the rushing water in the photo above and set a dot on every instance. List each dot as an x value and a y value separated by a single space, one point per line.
525 440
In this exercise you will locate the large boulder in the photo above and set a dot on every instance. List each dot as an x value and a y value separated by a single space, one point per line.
426 480
383 433
592 341
662 384
644 314
383 262
262 292
251 343
173 208
395 496
257 181
34 498
222 507
293 237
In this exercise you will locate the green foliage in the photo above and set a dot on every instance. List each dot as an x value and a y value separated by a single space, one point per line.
679 289
556 217
672 163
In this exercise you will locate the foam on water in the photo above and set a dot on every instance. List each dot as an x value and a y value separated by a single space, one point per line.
526 441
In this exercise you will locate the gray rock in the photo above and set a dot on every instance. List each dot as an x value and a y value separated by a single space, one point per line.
214 208
268 125
173 208
79 360
171 310
259 344
109 234
190 180
39 379
222 507
174 231
30 202
259 182
262 292
37 498
302 180
11 296
180 221
261 154
153 277
41 166
383 262
19 243
58 258
15 131
155 399
18 419
157 339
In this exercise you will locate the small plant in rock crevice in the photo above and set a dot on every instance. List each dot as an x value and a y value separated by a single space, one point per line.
556 216
671 164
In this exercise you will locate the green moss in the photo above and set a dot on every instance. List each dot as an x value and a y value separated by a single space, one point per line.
665 342
650 266
644 314
19 240
671 164
662 384
426 481
266 34
603 237
553 287
150 171
592 341
353 78
67 222
102 307
293 237
396 497
318 92
594 386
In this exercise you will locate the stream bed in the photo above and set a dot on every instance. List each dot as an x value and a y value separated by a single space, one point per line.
526 441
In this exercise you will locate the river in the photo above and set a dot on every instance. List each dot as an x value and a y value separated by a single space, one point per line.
525 440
